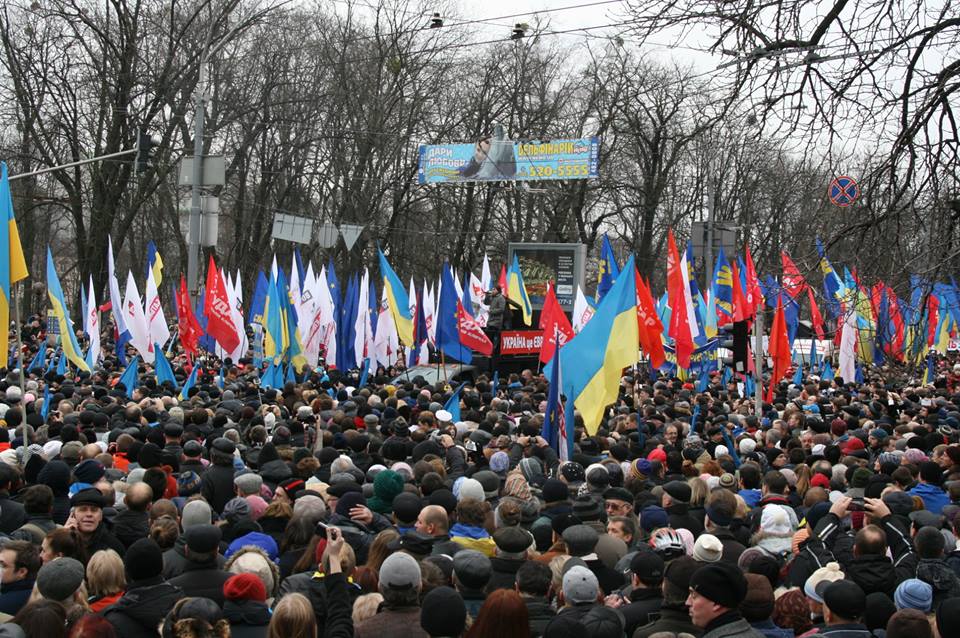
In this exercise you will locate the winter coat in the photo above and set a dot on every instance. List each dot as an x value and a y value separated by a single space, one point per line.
12 514
103 539
175 560
936 573
732 548
130 526
873 574
392 623
14 595
770 630
216 486
610 579
643 607
202 580
739 628
680 518
142 608
934 498
248 618
540 614
673 618
850 630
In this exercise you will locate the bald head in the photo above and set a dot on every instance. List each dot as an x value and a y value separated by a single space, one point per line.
433 521
89 451
139 496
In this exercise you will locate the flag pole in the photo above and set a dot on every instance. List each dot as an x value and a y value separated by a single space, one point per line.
18 328
758 361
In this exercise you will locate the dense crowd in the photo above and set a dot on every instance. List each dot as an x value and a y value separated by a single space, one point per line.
326 509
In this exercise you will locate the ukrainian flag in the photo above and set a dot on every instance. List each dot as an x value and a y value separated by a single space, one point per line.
273 326
608 270
293 344
399 302
831 280
722 288
593 361
517 291
13 267
67 335
154 263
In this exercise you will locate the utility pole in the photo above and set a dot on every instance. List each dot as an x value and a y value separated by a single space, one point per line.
758 361
708 266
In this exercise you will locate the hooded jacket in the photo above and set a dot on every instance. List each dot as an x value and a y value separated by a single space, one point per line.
934 498
175 560
273 469
248 618
216 485
140 611
202 579
936 573
130 526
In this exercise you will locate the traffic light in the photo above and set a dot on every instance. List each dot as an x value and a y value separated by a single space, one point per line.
145 144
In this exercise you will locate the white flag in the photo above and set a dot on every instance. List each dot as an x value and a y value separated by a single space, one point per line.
582 311
848 347
116 301
325 320
136 321
361 323
91 325
157 330
477 291
387 343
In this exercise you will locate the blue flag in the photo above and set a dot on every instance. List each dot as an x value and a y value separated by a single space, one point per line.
62 364
828 374
129 377
364 372
162 368
554 422
608 270
189 383
453 403
46 402
495 383
38 359
798 375
448 335
258 303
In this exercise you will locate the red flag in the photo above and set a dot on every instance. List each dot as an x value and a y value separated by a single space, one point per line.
815 318
933 304
471 334
679 324
793 281
741 307
779 348
650 326
753 292
897 318
216 306
555 325
502 281
189 327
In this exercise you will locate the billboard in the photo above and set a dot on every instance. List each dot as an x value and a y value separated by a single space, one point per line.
497 158
563 264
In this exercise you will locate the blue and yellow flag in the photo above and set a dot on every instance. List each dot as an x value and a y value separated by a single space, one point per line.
399 302
608 269
517 291
293 344
67 335
13 267
721 292
154 263
593 360
273 324
831 280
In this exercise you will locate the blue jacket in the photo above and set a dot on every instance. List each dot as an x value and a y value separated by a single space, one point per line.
770 630
934 498
751 497
14 595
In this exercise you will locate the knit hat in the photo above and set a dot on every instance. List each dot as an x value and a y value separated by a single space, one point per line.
60 578
554 490
723 583
845 598
948 617
913 593
587 508
708 549
443 612
747 446
828 573
88 471
678 491
728 481
400 570
758 604
203 539
245 587
820 480
603 622
196 513
775 521
878 610
580 585
188 483
468 488
386 486
143 560
653 517
500 461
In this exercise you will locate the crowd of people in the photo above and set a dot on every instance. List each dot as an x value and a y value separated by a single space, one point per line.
324 509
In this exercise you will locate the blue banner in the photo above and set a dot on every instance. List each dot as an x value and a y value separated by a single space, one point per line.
496 158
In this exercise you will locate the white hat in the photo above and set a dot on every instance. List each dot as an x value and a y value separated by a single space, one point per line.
747 446
708 549
444 416
721 450
775 521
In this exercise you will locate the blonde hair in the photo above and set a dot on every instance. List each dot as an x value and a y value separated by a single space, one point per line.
366 607
556 570
105 575
293 618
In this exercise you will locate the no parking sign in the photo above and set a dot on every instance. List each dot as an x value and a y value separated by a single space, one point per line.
843 191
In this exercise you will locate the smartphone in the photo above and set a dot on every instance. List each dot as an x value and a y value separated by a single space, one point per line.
320 529
856 505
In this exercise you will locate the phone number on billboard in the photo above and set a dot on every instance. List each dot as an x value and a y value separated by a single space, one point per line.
565 170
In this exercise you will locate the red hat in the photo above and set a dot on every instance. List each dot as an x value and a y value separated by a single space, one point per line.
245 587
820 480
853 445
657 455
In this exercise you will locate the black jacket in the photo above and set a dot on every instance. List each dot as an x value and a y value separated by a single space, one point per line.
175 560
673 618
680 518
203 580
873 574
610 579
12 514
142 608
130 526
248 618
102 538
642 609
216 486
936 573
732 547
540 614
504 574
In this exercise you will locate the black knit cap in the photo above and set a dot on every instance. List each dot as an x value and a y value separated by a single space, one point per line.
143 560
723 583
443 613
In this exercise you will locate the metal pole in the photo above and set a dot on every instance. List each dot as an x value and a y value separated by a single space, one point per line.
89 160
708 266
19 330
758 361
196 212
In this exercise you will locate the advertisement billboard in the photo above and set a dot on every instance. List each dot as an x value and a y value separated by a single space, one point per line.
497 158
563 264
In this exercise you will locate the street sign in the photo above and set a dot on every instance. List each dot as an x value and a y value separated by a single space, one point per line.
724 236
350 234
328 235
292 228
843 191
214 171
